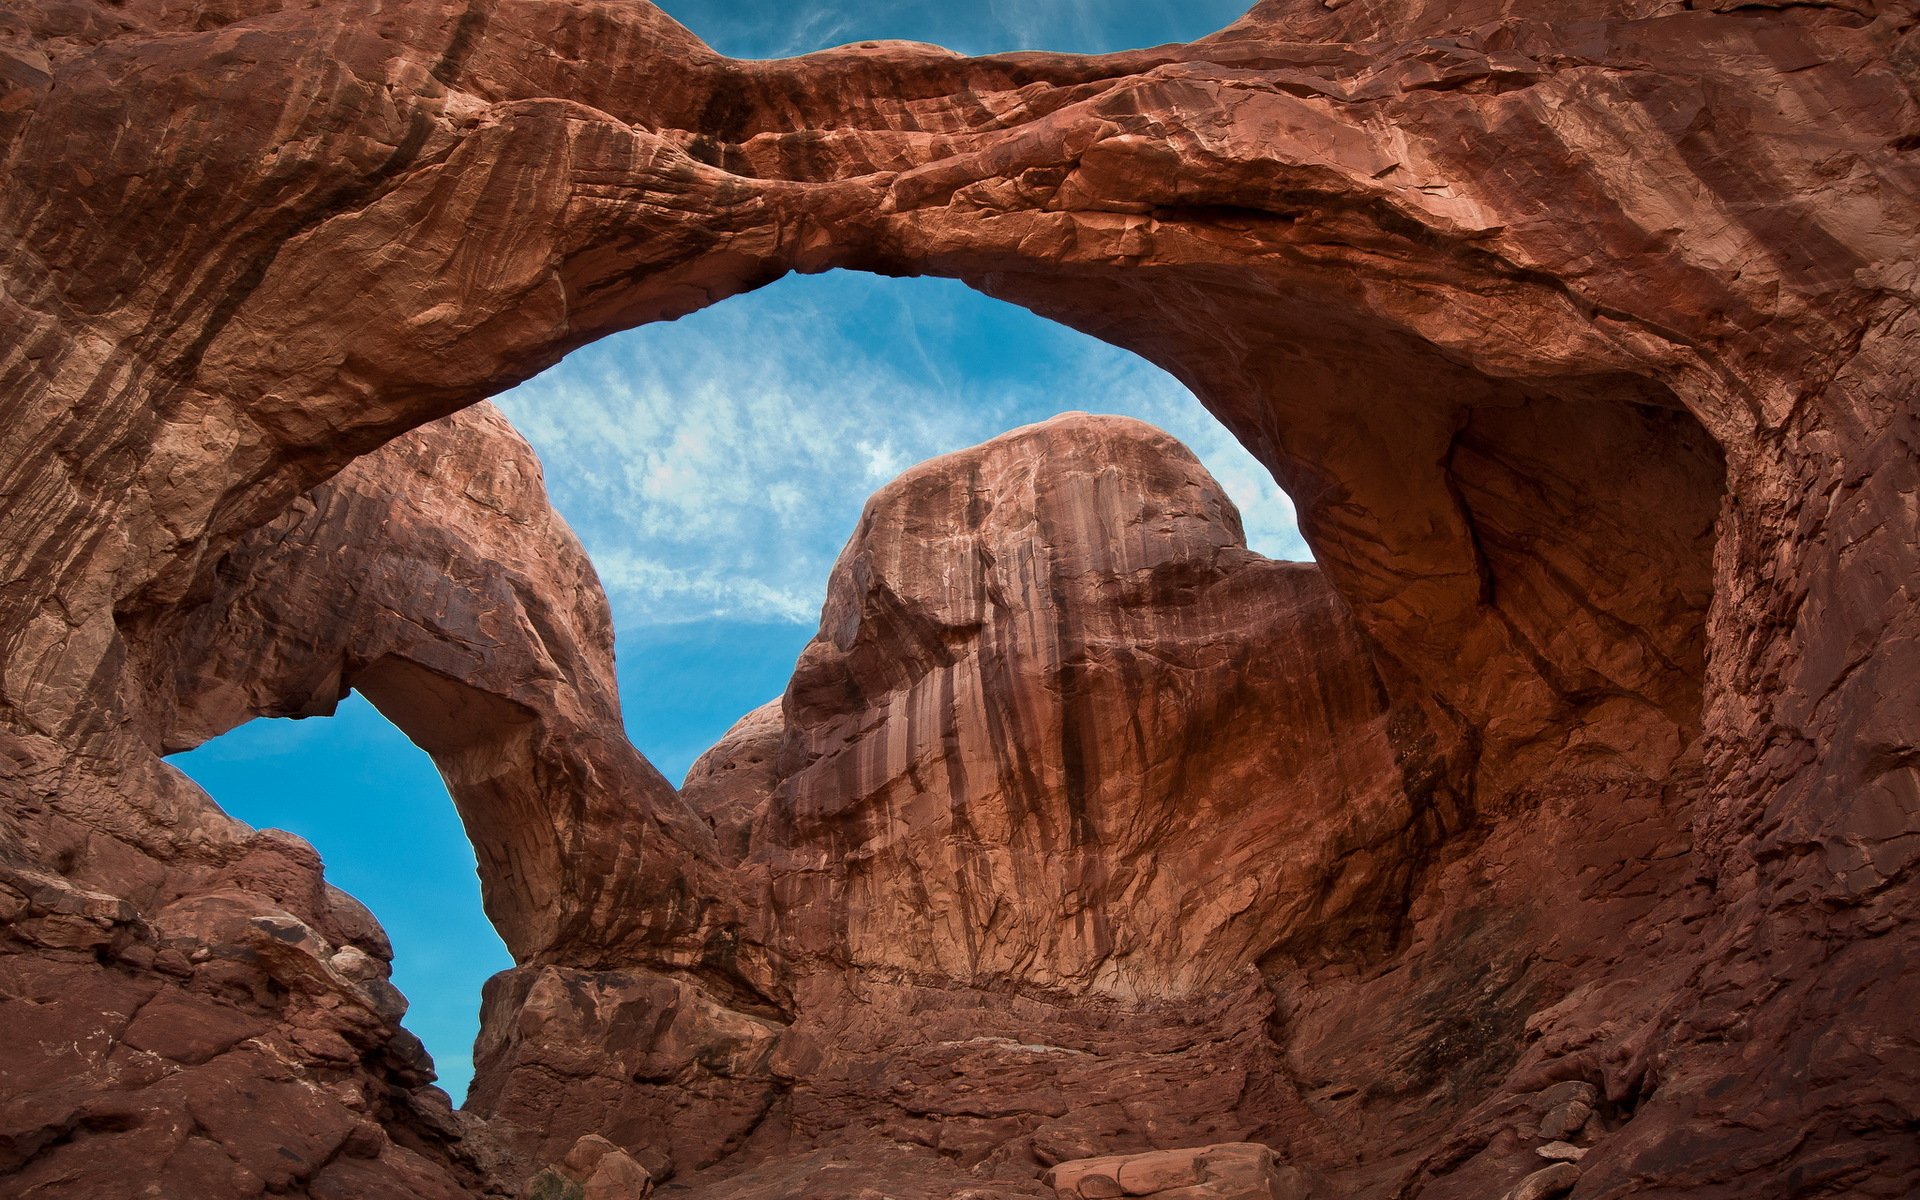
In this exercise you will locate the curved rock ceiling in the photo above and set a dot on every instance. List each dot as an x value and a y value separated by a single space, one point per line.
1570 807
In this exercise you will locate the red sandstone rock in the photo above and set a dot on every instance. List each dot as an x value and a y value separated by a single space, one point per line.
1065 762
433 577
471 617
1583 340
1061 729
595 1169
1546 1183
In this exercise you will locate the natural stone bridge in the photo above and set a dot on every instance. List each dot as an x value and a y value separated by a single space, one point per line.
1573 798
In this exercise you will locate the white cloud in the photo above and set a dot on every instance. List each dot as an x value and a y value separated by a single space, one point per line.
666 593
884 461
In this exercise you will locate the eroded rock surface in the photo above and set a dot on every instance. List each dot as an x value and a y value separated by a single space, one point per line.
434 578
1583 339
246 1009
1064 762
1060 728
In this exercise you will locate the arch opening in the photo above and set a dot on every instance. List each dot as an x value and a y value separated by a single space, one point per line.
1437 488
1514 470
715 466
954 366
1528 558
371 803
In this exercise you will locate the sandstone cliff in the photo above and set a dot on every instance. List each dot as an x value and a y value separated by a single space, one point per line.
1582 338
1061 728
1063 764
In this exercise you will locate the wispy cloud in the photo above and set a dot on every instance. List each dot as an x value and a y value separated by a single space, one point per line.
1059 24
667 592
814 29
715 466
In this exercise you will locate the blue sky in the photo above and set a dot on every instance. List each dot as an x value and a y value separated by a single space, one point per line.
714 466
773 29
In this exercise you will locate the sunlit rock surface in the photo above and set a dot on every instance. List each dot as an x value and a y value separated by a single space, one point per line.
1064 763
1061 729
1583 337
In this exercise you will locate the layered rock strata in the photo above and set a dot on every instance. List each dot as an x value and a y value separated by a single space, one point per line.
1583 340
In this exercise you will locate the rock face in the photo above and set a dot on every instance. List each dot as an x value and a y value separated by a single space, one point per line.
1582 336
1064 763
241 1009
1060 728
434 578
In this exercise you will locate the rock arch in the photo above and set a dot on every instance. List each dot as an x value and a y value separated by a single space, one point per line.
1447 271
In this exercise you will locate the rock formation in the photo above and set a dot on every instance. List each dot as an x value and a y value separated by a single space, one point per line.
433 577
1060 728
1582 337
1064 763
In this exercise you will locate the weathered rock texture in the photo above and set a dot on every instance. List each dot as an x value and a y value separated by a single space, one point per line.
1064 763
433 577
244 1002
1061 728
1583 336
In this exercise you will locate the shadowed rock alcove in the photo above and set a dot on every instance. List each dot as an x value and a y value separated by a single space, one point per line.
1582 341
